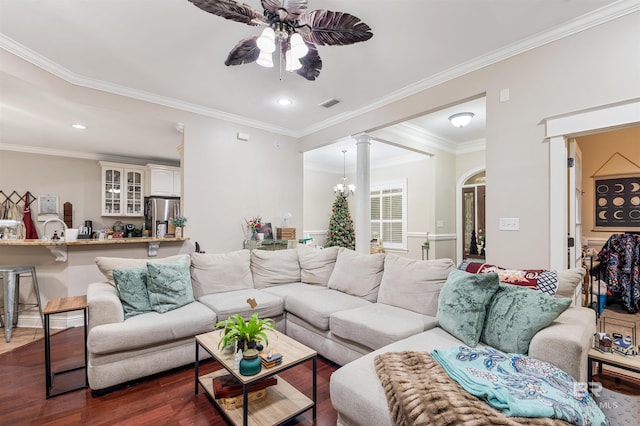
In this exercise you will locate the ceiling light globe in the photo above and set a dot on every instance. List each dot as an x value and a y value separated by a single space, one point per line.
461 119
298 47
267 40
265 59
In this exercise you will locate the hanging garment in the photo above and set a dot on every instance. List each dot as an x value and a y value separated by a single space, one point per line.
30 230
621 257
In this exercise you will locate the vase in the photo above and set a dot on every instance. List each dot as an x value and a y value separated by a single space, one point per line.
254 236
178 232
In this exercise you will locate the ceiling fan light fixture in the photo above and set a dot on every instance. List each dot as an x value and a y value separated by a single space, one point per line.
298 47
293 63
461 119
265 59
267 40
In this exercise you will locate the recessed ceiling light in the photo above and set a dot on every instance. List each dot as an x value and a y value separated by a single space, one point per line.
79 126
284 102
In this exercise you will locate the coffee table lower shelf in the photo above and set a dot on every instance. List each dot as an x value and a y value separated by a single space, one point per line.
283 402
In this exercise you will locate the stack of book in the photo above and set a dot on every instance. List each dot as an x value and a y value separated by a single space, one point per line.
227 390
271 360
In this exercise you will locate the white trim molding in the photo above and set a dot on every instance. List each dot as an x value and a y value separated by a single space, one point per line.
558 130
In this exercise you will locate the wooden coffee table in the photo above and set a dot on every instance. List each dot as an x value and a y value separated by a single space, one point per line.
282 402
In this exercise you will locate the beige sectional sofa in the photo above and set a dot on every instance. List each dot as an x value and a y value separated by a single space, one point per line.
346 305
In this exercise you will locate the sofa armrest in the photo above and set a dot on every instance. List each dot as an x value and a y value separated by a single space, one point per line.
104 305
566 342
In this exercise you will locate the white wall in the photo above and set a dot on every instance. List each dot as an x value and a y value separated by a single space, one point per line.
71 179
598 66
227 181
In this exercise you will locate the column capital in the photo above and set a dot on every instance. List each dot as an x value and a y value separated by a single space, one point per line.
362 138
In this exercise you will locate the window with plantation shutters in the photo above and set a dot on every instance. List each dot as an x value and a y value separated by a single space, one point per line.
388 215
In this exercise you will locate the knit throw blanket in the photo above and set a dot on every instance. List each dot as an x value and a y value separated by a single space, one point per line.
419 392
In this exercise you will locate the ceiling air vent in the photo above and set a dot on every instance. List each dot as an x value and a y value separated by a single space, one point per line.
329 103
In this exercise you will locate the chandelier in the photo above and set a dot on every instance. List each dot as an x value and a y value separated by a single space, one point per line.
342 188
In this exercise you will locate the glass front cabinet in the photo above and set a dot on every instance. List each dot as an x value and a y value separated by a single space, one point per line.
122 190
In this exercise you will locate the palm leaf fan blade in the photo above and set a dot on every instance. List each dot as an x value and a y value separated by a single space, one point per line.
311 64
294 8
246 51
231 10
334 28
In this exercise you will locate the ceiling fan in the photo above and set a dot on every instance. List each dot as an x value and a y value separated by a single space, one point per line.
289 28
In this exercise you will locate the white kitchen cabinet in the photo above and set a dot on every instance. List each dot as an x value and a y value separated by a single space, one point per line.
163 181
122 189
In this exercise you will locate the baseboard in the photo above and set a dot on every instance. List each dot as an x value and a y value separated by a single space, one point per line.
32 320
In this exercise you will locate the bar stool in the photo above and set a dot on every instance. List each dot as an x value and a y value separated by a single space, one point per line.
11 282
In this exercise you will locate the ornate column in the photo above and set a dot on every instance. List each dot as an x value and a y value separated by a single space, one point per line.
363 199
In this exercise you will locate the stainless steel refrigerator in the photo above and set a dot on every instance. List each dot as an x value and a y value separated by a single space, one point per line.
157 213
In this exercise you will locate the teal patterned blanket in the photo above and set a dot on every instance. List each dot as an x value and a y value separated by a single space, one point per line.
519 385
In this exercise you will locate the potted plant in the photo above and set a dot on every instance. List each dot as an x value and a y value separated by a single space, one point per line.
245 334
179 223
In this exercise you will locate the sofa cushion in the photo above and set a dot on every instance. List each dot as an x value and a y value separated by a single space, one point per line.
275 267
463 304
413 284
516 314
286 290
169 285
236 302
132 290
108 264
568 280
316 307
217 273
316 265
357 274
376 325
151 328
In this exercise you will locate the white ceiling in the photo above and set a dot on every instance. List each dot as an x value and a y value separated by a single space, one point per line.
172 53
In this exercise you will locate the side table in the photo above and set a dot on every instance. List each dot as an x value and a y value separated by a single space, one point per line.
58 306
613 359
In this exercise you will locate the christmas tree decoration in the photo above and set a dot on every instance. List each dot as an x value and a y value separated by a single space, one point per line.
341 232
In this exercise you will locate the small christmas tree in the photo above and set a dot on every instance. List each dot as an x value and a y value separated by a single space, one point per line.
341 232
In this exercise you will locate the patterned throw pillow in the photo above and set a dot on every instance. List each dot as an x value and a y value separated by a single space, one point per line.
463 302
516 314
548 283
534 279
169 285
132 289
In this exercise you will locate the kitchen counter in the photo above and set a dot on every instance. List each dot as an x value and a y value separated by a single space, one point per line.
59 248
88 242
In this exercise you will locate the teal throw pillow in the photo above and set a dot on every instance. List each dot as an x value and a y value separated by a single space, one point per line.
516 314
169 285
132 289
463 303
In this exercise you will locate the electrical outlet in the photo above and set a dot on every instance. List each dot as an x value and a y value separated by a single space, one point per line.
509 224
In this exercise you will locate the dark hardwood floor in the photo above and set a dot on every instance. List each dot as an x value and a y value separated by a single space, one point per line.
165 399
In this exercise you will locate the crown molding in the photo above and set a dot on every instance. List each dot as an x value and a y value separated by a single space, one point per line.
59 71
589 20
85 155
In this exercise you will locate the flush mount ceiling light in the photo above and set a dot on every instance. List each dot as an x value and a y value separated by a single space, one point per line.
461 119
79 126
284 102
290 30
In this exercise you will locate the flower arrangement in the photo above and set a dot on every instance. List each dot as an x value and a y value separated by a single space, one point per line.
254 224
179 221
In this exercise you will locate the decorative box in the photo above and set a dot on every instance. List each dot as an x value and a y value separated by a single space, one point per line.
286 233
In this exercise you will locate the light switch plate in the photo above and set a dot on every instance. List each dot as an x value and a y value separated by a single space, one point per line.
509 224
